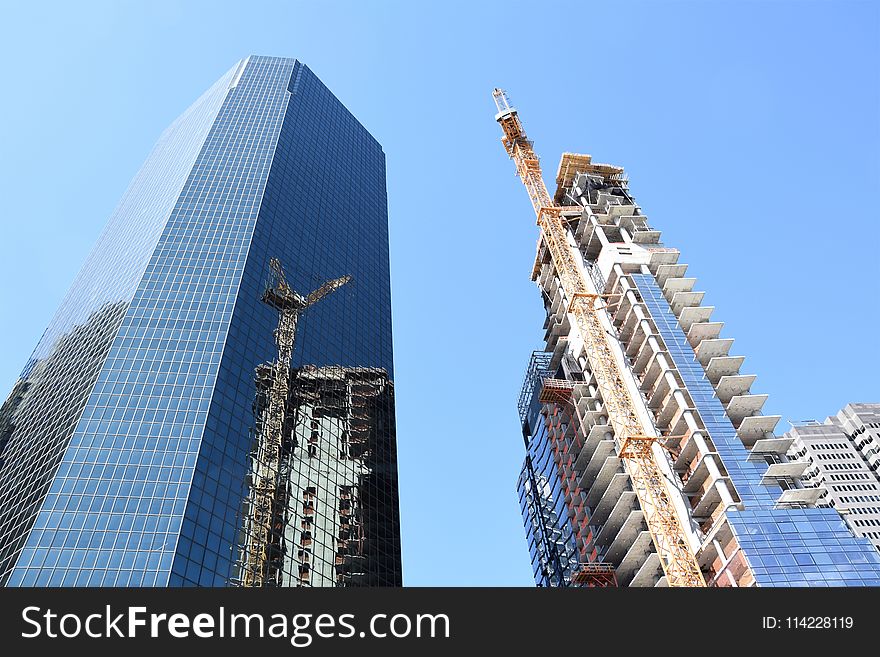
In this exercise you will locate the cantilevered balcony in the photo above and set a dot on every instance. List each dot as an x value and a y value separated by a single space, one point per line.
662 256
640 336
650 573
784 471
689 448
701 473
743 406
700 331
626 499
652 371
604 450
755 427
707 502
611 481
630 319
723 366
764 446
623 538
597 434
640 552
729 387
665 272
692 315
682 300
646 353
800 497
714 348
673 407
675 285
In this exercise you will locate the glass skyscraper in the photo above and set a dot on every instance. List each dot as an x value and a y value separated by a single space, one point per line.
126 444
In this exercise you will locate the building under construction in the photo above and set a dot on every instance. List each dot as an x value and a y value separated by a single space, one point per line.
649 461
331 525
320 506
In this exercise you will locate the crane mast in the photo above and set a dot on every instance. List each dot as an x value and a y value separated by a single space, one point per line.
635 445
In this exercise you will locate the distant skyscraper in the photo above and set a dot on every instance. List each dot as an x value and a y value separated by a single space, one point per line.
127 443
844 456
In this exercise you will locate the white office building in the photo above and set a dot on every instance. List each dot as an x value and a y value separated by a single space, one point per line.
844 456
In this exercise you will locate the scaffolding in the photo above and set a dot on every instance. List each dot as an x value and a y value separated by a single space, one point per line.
600 575
635 445
573 163
539 368
556 391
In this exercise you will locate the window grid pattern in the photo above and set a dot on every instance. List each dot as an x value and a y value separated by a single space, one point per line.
784 547
746 475
113 513
150 488
324 215
339 530
549 534
39 418
804 547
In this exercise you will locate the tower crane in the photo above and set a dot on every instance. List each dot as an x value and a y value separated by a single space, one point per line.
635 445
264 532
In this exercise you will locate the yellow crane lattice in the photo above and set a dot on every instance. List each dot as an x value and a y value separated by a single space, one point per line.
635 444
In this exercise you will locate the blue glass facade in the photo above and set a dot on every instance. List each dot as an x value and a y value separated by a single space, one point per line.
550 538
745 474
549 533
784 547
125 446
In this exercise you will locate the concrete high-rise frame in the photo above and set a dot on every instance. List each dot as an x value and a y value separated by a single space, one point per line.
126 442
737 497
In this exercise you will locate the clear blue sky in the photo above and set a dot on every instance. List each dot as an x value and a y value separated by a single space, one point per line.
750 131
